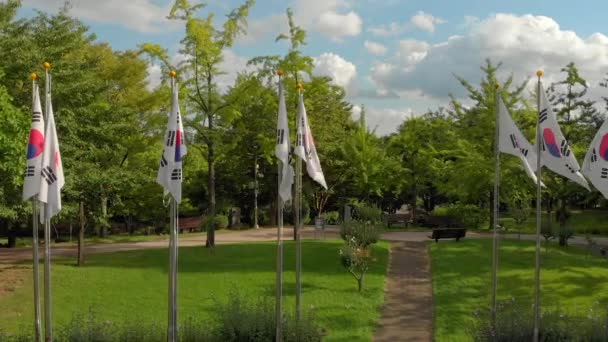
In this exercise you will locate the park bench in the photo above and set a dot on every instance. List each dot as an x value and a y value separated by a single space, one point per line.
189 224
448 233
438 222
404 219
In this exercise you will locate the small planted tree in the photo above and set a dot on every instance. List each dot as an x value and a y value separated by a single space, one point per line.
358 235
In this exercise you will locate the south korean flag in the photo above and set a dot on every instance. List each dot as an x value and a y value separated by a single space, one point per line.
170 170
52 170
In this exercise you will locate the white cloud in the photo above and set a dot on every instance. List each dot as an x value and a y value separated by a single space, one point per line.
523 44
374 48
140 15
341 71
383 120
391 29
231 66
333 18
338 26
425 21
154 76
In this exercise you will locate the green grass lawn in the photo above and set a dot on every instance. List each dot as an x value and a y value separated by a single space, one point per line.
583 222
570 279
133 285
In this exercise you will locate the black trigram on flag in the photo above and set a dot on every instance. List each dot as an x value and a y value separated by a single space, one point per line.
300 140
163 161
280 136
565 148
542 115
593 156
604 173
176 174
170 138
513 140
178 116
571 168
49 175
30 171
36 116
523 151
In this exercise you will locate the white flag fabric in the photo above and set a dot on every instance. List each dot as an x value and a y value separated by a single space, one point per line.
555 150
512 141
170 170
282 149
52 171
35 147
595 165
305 146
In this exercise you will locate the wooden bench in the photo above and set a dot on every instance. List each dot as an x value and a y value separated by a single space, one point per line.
448 233
190 224
405 219
438 222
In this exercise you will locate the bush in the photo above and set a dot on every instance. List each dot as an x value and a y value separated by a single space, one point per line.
241 320
237 320
362 234
356 260
367 212
565 234
546 230
516 323
471 216
331 217
219 222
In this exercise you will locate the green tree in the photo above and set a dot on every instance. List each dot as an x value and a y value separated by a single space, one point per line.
204 45
470 174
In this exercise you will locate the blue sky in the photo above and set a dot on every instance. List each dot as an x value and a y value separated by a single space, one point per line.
396 57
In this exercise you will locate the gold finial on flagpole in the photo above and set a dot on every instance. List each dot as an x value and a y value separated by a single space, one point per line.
300 86
33 76
172 73
280 73
539 73
47 65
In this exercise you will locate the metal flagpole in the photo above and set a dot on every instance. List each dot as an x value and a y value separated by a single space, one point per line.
35 256
36 261
279 294
496 199
172 335
47 235
538 214
298 220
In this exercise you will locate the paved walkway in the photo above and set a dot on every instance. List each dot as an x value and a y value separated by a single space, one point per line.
407 314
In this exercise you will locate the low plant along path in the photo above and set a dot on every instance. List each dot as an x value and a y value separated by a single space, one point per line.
407 313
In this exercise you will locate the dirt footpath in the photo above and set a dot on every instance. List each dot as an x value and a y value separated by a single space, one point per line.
407 314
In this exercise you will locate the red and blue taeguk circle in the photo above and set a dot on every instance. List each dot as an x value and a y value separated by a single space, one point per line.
35 144
551 143
604 147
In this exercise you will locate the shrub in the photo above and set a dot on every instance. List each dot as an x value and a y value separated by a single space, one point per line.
358 235
331 217
356 260
362 234
219 222
471 216
546 230
237 320
367 212
241 320
515 323
565 233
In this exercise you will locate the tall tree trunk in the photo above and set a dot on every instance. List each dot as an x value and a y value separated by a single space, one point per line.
81 236
211 165
491 211
104 214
